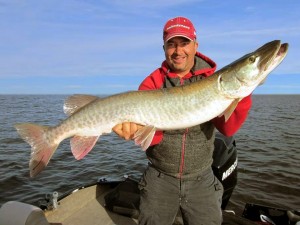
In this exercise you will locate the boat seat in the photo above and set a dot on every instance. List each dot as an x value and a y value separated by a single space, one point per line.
18 213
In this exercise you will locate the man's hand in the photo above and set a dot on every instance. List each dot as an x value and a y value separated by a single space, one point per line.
126 130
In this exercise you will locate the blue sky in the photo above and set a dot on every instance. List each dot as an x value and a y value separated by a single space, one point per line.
106 47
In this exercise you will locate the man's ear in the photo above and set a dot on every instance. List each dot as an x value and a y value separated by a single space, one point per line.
196 45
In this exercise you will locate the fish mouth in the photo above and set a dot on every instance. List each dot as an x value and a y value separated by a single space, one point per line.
281 53
271 55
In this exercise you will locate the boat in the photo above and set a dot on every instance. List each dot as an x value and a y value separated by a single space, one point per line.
107 202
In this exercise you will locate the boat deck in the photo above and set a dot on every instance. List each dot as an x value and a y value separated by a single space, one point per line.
87 207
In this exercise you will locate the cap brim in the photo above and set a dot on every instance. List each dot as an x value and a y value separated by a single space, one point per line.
177 35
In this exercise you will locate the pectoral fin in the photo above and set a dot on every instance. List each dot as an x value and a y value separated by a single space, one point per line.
81 146
228 112
144 136
263 81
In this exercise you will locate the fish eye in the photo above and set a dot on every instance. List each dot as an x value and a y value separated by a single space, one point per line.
252 59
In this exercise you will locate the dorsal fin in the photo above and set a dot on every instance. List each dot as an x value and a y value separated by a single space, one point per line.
76 102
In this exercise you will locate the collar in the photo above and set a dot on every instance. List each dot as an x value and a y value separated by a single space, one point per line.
203 66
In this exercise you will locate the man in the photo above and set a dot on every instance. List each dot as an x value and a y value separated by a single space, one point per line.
179 176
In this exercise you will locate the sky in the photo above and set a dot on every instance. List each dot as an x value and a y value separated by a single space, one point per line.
106 47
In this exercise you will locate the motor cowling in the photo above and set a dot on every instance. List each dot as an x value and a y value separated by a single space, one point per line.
225 164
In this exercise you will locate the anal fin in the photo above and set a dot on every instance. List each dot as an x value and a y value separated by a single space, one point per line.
82 145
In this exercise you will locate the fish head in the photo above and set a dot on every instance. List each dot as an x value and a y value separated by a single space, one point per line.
241 77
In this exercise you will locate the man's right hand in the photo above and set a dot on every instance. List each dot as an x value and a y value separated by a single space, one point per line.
126 130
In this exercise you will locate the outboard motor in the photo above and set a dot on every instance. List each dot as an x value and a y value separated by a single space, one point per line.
225 165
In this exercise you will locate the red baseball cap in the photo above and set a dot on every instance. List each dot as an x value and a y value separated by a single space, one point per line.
179 27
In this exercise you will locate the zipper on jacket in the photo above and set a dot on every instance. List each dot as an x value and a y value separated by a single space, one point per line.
181 81
181 168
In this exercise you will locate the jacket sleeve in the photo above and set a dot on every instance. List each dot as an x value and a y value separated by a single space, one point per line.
236 120
153 81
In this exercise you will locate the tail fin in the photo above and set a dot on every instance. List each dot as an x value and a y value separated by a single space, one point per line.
41 150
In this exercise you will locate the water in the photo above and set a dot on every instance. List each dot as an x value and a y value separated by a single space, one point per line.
268 150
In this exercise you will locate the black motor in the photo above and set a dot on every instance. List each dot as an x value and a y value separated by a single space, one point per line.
225 164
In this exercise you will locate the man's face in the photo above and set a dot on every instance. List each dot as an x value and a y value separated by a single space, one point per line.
180 53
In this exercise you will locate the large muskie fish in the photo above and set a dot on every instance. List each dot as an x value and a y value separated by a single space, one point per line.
164 109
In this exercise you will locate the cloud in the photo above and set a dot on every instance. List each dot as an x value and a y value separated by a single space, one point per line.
73 86
286 31
93 39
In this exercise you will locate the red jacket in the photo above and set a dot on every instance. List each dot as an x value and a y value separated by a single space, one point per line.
156 80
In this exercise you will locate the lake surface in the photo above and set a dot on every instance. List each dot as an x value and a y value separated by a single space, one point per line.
268 150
